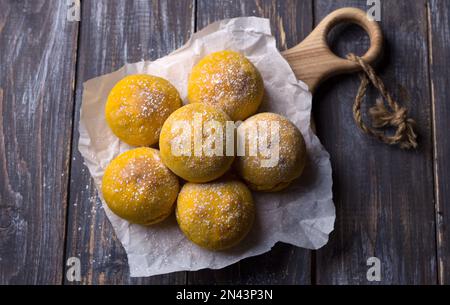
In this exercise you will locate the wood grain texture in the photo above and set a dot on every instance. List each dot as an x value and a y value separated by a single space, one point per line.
113 33
291 22
439 25
37 58
383 195
312 59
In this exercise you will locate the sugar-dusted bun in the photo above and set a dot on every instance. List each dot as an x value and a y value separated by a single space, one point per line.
137 107
215 215
138 187
194 166
289 163
227 80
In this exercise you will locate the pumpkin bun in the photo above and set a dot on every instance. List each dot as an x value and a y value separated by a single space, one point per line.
215 215
285 166
139 188
137 107
227 80
189 147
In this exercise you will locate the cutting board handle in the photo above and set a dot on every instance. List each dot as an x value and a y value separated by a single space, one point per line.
312 60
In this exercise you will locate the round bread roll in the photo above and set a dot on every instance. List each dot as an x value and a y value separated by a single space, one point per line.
139 188
137 107
215 215
227 80
273 169
188 143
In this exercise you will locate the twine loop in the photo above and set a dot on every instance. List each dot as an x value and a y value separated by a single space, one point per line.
394 115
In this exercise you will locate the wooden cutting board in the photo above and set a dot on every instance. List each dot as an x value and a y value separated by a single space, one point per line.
312 60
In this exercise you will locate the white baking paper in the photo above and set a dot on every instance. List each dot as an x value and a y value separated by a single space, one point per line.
303 215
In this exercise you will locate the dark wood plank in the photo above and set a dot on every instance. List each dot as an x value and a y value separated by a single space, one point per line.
291 22
439 18
383 195
113 33
37 59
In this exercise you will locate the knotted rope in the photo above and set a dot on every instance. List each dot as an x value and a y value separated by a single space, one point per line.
396 116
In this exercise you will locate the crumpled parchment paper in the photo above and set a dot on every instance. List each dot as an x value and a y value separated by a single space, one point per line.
303 215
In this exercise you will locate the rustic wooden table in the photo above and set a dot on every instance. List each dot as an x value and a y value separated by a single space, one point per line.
391 204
